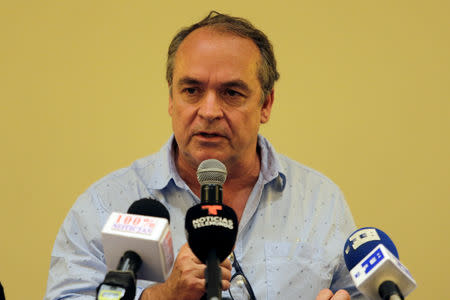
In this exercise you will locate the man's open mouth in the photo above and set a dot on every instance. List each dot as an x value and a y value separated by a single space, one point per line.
209 135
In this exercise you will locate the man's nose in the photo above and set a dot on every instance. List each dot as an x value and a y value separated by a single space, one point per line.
210 107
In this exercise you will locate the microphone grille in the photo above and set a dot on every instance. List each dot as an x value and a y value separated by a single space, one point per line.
211 171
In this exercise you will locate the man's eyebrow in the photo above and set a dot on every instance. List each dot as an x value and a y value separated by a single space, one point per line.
237 84
187 81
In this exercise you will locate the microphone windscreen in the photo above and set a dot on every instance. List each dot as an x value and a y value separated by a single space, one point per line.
362 241
211 227
149 207
211 171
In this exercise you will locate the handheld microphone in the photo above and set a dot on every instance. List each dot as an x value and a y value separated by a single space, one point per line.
373 262
143 236
211 227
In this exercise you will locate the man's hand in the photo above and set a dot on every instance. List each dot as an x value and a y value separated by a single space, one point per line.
187 279
326 294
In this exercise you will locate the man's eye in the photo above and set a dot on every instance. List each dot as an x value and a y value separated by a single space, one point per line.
190 91
232 93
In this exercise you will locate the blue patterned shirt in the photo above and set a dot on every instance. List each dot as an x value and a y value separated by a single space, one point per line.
290 237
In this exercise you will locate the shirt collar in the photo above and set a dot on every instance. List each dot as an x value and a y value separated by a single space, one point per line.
165 169
271 170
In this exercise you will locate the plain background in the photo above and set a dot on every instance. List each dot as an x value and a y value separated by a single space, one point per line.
364 97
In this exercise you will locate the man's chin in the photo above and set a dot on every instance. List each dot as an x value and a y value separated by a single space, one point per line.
205 154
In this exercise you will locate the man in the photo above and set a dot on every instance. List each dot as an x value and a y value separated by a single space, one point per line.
293 221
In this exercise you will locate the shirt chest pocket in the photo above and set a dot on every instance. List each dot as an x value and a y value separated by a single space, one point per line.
295 269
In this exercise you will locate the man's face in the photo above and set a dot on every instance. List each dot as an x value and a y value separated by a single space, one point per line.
215 103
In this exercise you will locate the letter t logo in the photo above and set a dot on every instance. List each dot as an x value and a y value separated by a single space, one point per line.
212 209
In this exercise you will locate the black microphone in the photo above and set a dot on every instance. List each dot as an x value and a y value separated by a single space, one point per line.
121 283
211 227
2 293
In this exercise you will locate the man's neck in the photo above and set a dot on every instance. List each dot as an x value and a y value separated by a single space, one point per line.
241 177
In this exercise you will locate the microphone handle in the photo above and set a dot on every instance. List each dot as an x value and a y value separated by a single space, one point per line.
388 290
118 285
130 261
211 194
213 276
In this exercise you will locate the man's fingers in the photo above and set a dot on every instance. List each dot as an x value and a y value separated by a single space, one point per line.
225 285
202 285
198 269
341 295
188 251
226 277
226 274
324 294
327 294
226 264
225 268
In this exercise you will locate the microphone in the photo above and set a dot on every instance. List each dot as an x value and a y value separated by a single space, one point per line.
373 262
211 227
143 236
2 293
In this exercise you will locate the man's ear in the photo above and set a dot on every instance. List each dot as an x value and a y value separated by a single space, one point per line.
170 108
266 108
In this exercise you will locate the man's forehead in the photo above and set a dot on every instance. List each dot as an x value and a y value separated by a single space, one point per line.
218 51
212 32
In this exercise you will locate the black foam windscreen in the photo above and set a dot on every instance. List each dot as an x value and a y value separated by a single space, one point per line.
211 227
149 207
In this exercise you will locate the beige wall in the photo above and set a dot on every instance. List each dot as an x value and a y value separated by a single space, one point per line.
364 97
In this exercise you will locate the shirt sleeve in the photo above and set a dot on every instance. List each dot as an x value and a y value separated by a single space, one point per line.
342 280
345 226
77 263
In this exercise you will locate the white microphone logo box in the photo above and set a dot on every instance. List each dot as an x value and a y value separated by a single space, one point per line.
377 267
149 237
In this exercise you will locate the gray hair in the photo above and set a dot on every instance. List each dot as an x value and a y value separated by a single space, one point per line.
267 69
